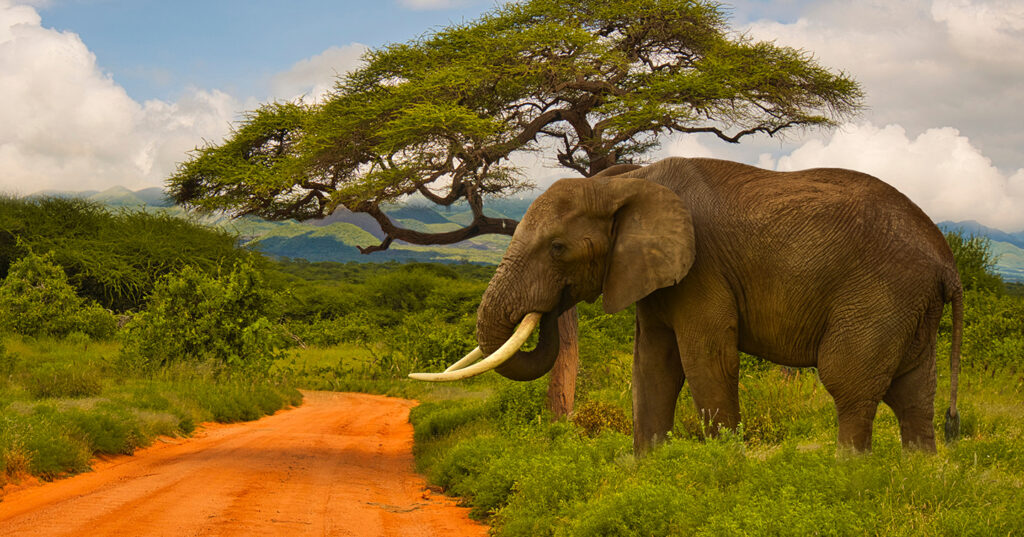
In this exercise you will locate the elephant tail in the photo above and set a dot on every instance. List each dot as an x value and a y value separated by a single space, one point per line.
955 295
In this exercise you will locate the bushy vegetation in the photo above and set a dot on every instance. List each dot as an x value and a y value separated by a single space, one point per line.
192 317
383 321
974 261
113 258
37 300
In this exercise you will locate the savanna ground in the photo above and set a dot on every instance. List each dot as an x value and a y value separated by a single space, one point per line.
108 345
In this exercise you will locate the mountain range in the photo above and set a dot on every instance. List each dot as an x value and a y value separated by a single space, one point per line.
336 237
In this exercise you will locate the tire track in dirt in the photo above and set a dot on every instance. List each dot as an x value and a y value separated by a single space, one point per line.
339 465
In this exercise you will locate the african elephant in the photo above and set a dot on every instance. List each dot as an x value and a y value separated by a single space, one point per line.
826 268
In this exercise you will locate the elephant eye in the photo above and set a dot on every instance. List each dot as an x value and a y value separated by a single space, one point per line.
557 248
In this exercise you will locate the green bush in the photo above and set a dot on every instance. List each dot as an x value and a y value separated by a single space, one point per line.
993 331
193 317
520 403
975 262
37 300
113 258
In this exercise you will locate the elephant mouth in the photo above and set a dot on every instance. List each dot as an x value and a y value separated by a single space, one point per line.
510 359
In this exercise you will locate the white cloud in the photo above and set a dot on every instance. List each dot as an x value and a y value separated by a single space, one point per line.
984 32
685 145
68 125
432 4
925 63
939 169
313 77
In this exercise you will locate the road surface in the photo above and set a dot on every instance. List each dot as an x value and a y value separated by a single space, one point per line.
341 464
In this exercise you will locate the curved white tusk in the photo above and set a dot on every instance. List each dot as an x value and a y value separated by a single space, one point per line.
473 356
500 356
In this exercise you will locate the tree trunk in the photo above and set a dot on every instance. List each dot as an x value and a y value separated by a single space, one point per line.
562 387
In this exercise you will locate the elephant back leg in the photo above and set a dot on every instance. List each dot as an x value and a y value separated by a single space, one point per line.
912 392
857 358
657 380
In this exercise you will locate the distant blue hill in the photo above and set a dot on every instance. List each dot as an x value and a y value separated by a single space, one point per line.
972 227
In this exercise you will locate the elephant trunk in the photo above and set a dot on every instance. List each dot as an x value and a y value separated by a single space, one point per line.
530 365
500 310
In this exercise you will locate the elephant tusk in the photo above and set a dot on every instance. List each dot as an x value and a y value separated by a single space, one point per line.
473 356
500 356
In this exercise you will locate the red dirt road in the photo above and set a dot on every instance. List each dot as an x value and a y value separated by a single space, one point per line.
341 464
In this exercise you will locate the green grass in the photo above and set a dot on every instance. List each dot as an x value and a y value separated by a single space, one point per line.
780 474
62 402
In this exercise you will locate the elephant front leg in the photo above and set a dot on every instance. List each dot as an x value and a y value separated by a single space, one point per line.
657 379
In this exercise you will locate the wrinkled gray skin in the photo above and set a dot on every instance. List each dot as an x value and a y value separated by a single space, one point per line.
826 267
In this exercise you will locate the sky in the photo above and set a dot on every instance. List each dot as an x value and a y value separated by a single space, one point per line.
101 93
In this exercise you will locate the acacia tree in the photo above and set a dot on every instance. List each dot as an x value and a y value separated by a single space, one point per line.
596 82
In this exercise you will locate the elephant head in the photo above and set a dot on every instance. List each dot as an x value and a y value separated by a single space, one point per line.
616 236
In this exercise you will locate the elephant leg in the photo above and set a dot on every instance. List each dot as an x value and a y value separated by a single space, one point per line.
657 379
712 364
912 393
715 391
856 367
912 398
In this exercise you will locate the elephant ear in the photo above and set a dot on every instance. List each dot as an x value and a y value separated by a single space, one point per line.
652 240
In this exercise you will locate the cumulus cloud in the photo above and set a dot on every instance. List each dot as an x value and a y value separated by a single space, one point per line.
432 4
68 125
313 77
925 63
939 169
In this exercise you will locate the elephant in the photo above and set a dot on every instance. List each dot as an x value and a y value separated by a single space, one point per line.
827 268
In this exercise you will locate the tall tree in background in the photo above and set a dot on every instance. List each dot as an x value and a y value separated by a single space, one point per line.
594 82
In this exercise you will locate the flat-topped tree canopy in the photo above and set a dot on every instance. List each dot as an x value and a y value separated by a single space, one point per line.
597 82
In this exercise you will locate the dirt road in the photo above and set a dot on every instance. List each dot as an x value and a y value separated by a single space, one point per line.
341 464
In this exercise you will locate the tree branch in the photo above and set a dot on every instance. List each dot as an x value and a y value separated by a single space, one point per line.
481 225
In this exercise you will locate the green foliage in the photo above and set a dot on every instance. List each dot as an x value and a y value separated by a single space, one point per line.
993 331
37 300
194 317
112 258
974 261
518 403
543 478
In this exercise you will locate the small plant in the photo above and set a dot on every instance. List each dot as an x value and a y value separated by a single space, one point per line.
596 416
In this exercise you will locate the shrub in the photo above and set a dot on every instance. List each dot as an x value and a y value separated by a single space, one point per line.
194 317
37 300
428 342
519 403
596 416
113 258
975 261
